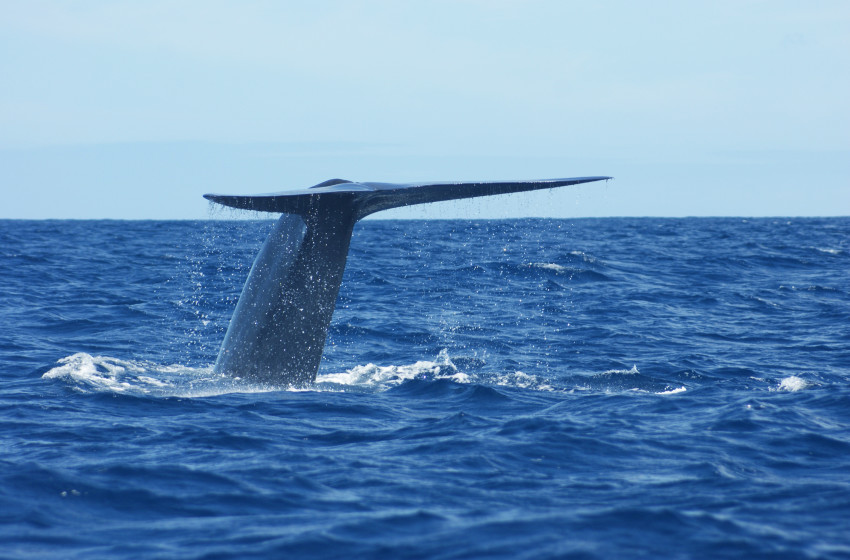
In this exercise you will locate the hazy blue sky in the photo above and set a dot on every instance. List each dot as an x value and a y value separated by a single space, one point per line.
135 109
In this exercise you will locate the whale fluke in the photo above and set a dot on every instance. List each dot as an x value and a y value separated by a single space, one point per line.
278 330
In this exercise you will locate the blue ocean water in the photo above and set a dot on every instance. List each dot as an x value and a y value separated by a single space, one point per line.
590 388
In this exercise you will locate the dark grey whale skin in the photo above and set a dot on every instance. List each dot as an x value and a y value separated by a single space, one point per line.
278 329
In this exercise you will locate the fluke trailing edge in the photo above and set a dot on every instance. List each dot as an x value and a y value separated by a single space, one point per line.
278 330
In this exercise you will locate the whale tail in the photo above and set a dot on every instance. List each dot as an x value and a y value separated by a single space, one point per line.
278 329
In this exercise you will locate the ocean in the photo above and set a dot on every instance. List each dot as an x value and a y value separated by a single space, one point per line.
588 388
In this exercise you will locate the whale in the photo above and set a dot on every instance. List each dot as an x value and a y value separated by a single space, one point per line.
278 329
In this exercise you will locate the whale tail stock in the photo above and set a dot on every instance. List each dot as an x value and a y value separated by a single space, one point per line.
278 329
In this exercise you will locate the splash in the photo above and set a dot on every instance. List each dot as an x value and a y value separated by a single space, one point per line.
792 384
96 374
102 374
380 378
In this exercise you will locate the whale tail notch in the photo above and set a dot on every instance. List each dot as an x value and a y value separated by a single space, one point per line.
278 329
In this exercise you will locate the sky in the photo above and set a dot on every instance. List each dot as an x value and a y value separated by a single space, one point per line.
133 110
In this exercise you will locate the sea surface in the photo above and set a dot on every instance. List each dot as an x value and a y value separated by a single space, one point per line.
589 388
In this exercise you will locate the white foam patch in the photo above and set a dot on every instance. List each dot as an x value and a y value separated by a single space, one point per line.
549 266
381 378
672 391
92 374
523 381
828 250
89 373
792 383
633 371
